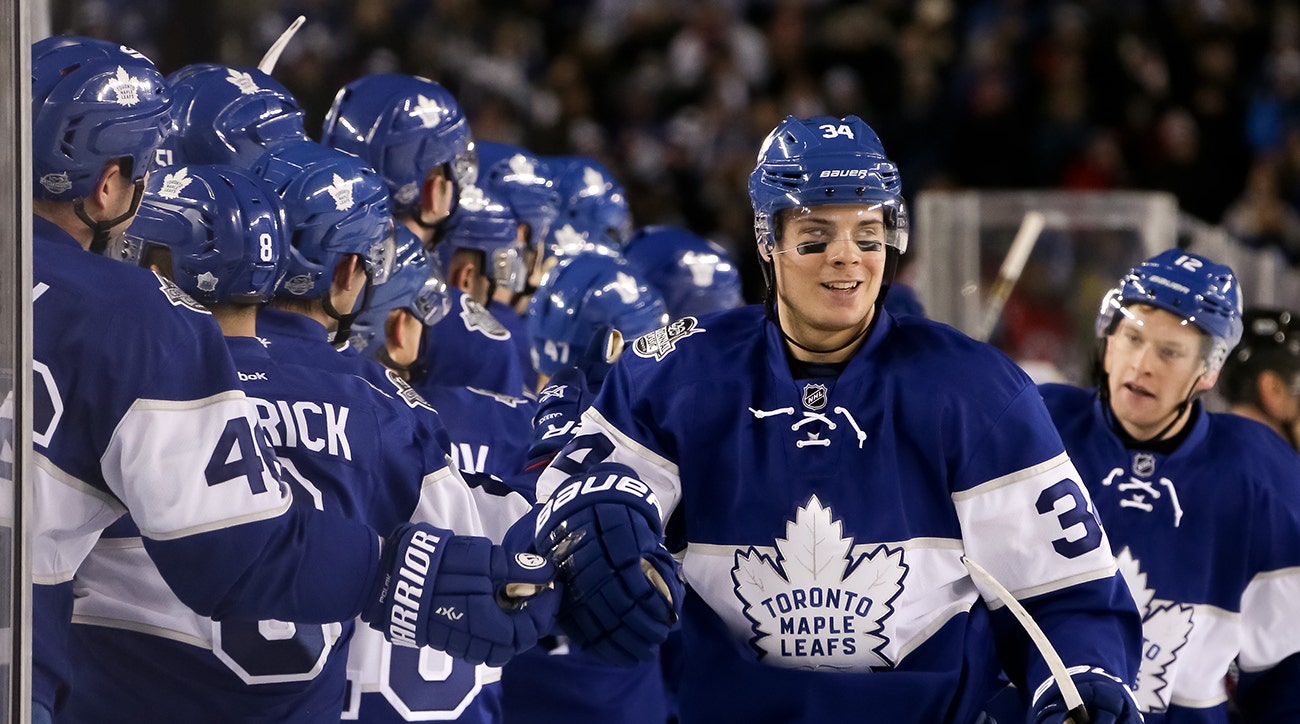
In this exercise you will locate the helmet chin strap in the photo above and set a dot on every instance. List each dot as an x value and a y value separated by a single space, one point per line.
101 229
344 331
1103 389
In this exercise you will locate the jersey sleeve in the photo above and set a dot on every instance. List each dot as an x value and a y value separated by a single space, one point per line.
612 430
1026 517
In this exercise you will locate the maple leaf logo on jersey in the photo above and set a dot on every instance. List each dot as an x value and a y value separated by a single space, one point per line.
243 81
659 343
341 191
428 111
125 88
814 605
175 183
1166 626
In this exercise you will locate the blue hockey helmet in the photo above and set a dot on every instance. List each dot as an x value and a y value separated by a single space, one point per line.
584 310
92 102
524 181
403 126
695 275
484 223
228 115
225 229
405 288
336 205
592 201
1201 292
824 160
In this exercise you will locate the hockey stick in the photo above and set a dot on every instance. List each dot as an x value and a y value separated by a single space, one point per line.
1009 273
273 53
1078 713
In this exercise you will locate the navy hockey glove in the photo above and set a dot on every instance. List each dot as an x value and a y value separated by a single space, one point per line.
1105 697
559 408
461 594
621 589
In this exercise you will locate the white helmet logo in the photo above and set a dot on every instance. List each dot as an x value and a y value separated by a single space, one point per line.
125 88
593 181
56 183
341 190
243 81
625 286
472 199
207 281
428 111
522 170
175 183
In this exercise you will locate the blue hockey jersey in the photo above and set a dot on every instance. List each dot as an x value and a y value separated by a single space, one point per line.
470 348
519 337
489 431
1208 539
821 522
337 439
391 683
138 409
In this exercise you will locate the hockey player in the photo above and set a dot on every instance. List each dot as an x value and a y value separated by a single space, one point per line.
143 412
523 182
139 654
480 253
1261 377
695 275
579 318
413 132
823 470
1202 508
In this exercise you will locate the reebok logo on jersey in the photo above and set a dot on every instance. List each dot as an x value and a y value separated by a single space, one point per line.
409 589
816 603
657 344
254 377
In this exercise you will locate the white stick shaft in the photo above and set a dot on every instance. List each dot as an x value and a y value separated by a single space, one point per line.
1009 273
1069 691
273 53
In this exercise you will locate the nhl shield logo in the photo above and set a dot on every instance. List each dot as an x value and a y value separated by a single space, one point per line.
1144 464
814 396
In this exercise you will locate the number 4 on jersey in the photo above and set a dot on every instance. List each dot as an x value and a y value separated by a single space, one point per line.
237 455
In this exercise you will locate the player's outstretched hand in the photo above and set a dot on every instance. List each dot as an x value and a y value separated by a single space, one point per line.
621 588
1105 697
461 594
559 408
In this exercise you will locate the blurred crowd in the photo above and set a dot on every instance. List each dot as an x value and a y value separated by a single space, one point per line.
1197 97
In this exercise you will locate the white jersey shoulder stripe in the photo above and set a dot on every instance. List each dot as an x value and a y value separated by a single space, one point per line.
1013 478
628 443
